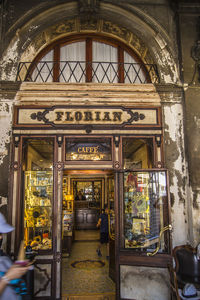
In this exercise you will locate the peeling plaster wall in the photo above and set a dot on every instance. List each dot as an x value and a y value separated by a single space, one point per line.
143 283
175 161
5 127
5 134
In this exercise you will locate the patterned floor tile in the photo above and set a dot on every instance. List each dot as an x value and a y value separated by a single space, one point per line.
86 282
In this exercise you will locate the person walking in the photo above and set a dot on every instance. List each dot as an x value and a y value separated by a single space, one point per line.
11 285
104 232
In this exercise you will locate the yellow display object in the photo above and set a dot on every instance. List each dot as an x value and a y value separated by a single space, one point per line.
69 197
68 203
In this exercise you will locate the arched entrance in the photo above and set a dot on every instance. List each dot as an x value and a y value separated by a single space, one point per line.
99 111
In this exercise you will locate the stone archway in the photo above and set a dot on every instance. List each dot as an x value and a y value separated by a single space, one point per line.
135 28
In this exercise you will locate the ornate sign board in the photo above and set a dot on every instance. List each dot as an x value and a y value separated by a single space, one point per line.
76 116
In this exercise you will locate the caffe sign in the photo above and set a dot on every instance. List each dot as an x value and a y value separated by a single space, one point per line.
82 115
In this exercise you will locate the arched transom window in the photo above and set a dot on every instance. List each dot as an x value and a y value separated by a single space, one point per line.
89 59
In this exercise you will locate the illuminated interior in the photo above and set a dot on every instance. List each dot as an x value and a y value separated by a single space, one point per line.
86 192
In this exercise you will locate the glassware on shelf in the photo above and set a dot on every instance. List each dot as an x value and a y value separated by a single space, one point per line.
145 198
38 209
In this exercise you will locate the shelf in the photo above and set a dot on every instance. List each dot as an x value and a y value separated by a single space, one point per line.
30 186
30 206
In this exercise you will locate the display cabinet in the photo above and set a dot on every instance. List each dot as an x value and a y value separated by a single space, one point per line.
145 210
38 196
88 195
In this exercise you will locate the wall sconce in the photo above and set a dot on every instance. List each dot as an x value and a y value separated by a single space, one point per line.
59 140
116 140
16 140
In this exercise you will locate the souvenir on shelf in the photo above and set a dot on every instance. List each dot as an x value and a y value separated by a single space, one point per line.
144 195
38 209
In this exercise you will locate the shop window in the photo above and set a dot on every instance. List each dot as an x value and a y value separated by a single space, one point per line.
70 71
137 153
44 69
145 210
131 68
38 193
88 149
103 55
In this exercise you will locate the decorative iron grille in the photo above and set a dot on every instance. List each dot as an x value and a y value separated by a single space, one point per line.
81 71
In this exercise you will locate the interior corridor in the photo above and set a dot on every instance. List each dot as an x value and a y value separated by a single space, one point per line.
84 274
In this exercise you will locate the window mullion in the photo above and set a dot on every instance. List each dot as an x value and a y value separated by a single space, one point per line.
88 60
56 63
121 64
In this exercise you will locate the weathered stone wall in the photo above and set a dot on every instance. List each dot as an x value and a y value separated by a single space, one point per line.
175 160
190 33
7 94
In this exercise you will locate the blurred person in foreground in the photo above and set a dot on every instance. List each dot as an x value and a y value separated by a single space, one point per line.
12 287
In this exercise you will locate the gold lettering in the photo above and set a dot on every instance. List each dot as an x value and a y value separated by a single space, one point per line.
106 116
117 116
59 115
68 116
88 149
96 149
97 116
88 116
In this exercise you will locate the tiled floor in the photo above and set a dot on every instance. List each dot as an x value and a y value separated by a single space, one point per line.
86 235
83 284
105 296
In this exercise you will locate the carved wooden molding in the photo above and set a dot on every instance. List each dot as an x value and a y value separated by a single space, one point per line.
57 257
15 166
116 165
59 166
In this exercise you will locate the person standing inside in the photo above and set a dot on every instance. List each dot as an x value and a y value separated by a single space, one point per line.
104 232
10 274
80 196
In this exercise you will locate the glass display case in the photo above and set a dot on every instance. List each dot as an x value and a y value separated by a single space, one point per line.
145 199
68 215
38 187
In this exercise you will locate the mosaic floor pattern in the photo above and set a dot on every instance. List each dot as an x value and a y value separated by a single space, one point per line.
88 283
105 296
